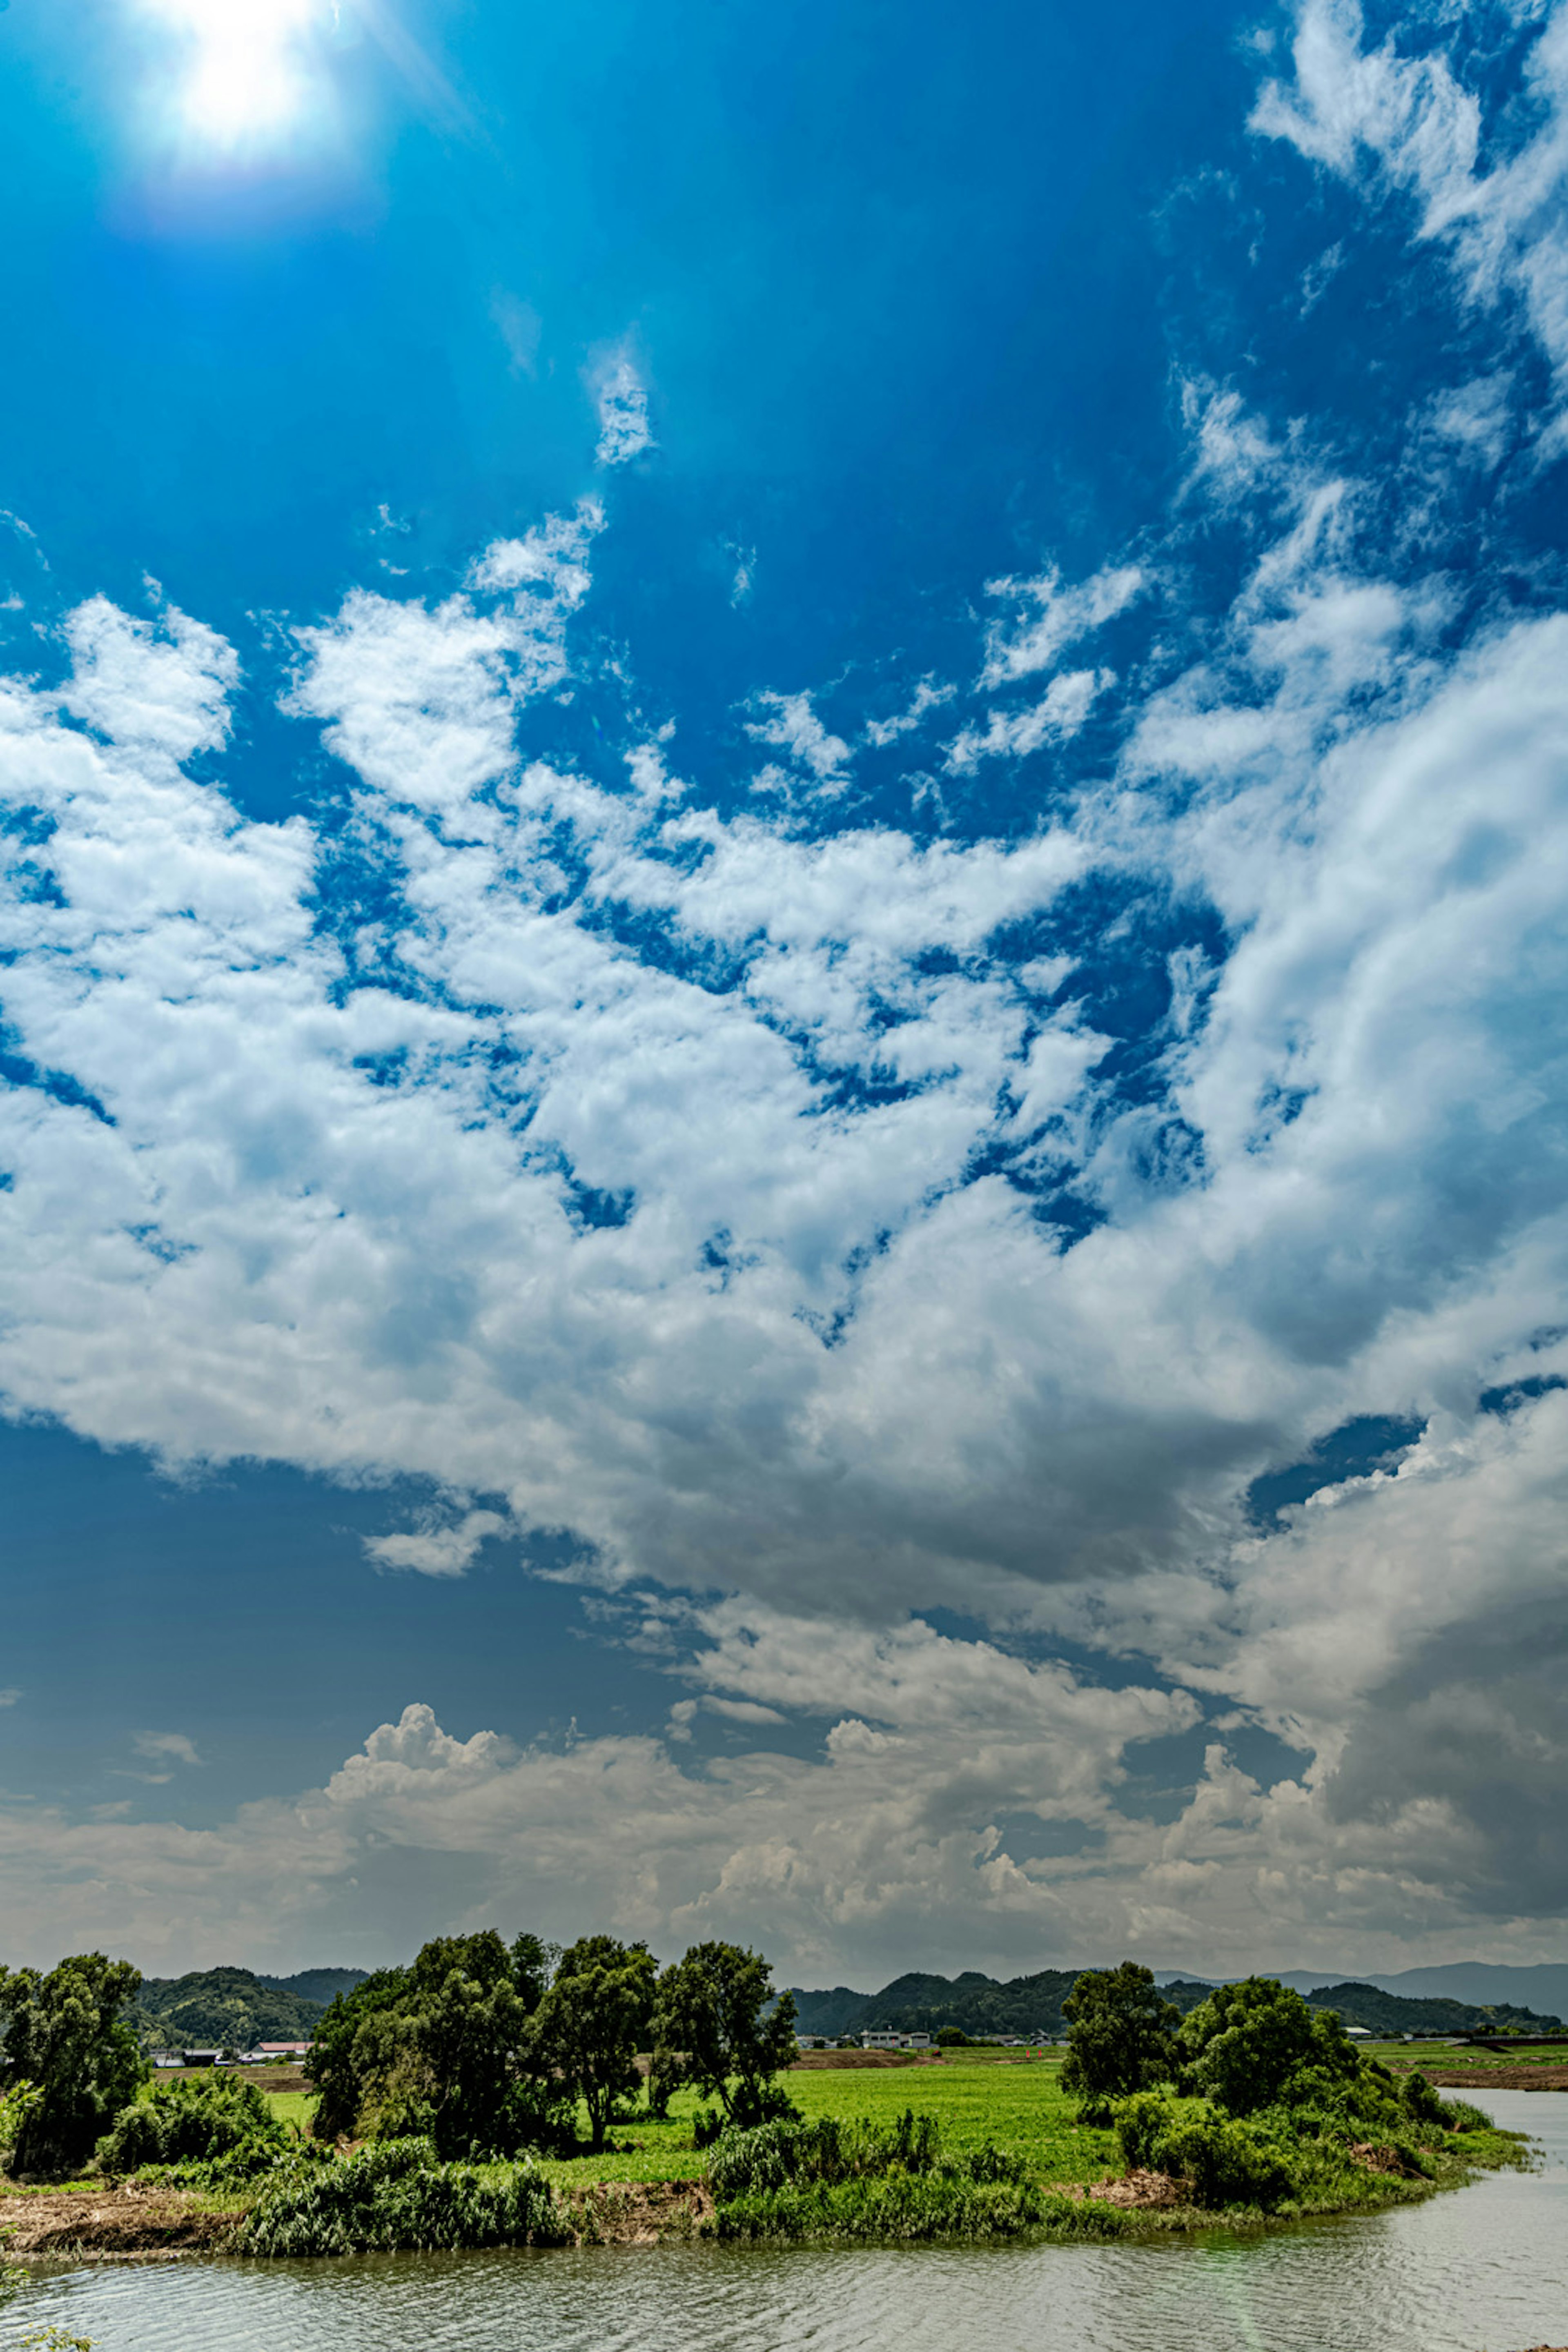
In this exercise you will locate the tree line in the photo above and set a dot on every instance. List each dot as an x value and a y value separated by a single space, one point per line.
483 2047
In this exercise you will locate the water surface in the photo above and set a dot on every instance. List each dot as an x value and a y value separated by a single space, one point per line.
1485 2270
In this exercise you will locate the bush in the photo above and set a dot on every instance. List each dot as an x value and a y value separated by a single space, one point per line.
903 2206
779 2155
195 2118
1227 2162
1247 2042
952 2037
396 2195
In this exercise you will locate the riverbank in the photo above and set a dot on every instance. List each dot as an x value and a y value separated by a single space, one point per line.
1015 2161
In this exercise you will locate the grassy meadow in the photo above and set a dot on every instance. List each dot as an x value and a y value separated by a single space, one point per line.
1018 2104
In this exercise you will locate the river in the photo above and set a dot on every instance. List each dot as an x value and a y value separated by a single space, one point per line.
1483 2270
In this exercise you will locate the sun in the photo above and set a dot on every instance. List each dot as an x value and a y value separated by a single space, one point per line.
247 73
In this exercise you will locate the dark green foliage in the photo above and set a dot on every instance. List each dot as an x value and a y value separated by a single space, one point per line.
395 2197
194 2118
952 2037
1121 2036
716 2011
317 1986
442 2048
222 2008
664 2079
1422 2102
592 2022
1226 2162
1244 2042
66 2032
342 2061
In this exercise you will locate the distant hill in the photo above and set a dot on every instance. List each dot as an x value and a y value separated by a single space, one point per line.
981 2005
916 2003
1390 2013
220 2009
320 1985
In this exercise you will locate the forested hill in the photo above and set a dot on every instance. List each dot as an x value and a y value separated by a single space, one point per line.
232 2008
981 2005
1391 2012
920 2004
321 1985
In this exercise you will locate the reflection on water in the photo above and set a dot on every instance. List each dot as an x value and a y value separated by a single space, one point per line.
1483 2271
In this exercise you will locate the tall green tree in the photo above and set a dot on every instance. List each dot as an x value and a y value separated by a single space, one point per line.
347 2055
712 2020
593 2021
1245 2042
441 2047
66 2032
1121 2034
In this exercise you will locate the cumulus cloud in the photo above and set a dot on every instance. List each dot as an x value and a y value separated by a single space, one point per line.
436 1551
622 400
166 1746
788 722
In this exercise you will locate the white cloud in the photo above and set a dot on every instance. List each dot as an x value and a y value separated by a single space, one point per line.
1409 123
436 1551
622 399
927 697
166 1746
710 1254
790 724
1057 718
1060 617
10 1697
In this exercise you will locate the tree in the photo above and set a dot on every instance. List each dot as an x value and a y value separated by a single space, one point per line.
711 2010
1244 2042
66 2035
1121 2034
593 2021
345 2059
442 2048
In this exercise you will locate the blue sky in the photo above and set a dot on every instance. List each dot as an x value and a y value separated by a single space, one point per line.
782 1139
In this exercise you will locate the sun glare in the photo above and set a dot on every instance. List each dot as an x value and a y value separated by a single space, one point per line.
246 68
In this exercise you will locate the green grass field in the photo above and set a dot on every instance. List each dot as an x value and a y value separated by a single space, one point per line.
975 2100
1018 2106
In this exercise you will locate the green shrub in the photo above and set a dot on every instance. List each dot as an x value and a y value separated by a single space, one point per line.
1460 2116
1225 2161
898 2206
396 2195
195 2118
778 2155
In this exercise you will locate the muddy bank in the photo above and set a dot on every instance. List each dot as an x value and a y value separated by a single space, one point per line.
1497 2078
812 2061
638 2212
107 2224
